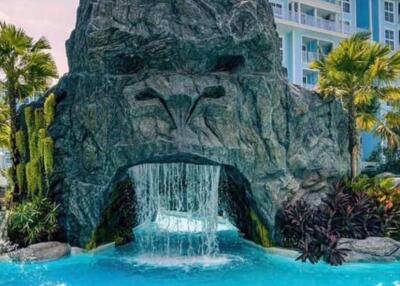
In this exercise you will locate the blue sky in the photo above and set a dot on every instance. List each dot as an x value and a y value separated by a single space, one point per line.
54 19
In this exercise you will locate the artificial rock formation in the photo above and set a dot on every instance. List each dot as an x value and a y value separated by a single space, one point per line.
187 81
372 249
41 251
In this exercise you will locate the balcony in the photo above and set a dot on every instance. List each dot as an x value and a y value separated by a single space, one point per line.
332 1
309 20
309 57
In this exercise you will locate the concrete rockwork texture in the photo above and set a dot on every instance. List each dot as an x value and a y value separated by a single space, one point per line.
195 81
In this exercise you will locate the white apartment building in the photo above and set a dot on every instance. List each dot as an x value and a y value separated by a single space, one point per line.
309 29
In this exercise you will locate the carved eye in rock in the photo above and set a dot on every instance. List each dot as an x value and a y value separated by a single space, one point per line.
123 63
148 94
229 63
214 92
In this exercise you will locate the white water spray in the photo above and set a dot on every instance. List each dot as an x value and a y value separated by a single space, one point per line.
177 206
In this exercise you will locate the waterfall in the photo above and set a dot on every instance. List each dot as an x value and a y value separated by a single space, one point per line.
177 208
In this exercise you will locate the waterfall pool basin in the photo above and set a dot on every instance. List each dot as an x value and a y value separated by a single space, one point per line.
240 263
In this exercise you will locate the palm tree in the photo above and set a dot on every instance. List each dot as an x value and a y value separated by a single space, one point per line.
361 74
26 68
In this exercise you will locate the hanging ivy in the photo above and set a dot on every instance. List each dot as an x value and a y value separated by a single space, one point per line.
36 148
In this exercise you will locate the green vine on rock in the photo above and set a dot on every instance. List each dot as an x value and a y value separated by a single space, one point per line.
36 148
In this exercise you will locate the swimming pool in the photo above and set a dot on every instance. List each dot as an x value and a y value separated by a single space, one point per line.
240 263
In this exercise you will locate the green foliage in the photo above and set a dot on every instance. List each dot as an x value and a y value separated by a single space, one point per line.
42 133
39 119
33 222
21 144
40 163
119 218
27 68
261 233
33 145
34 179
50 109
21 176
9 176
8 198
387 195
360 73
383 190
29 118
5 128
48 155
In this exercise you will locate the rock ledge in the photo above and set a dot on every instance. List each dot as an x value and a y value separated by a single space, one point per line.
372 249
41 251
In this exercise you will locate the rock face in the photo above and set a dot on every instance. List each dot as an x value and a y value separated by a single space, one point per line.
186 81
372 249
41 251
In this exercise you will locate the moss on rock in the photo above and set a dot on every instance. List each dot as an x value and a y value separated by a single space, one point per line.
36 147
48 155
49 109
21 177
20 138
39 119
33 145
119 218
34 178
29 118
260 232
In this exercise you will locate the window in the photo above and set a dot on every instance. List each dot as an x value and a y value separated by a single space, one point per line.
281 47
389 12
277 8
346 6
347 27
389 38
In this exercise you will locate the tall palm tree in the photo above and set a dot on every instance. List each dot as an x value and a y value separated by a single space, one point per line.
361 73
26 68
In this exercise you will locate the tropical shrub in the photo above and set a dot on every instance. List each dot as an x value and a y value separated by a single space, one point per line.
32 222
315 231
27 68
387 196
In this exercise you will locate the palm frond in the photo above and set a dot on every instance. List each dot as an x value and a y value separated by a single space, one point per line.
388 135
367 121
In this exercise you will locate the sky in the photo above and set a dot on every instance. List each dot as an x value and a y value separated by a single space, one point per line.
54 19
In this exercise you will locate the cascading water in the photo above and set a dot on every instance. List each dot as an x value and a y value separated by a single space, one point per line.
177 207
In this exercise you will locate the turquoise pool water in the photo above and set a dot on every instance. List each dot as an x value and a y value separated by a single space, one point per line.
240 263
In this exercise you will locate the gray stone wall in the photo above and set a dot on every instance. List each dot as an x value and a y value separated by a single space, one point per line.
186 80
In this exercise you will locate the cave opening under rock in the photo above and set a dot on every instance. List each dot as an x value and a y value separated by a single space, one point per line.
181 206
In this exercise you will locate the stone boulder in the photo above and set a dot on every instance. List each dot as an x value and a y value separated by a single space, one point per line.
372 249
195 81
41 251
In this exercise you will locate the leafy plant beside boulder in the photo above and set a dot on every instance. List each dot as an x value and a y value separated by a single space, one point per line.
33 217
32 222
315 231
387 196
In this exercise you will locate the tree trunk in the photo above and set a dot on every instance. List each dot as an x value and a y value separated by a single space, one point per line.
12 100
354 139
